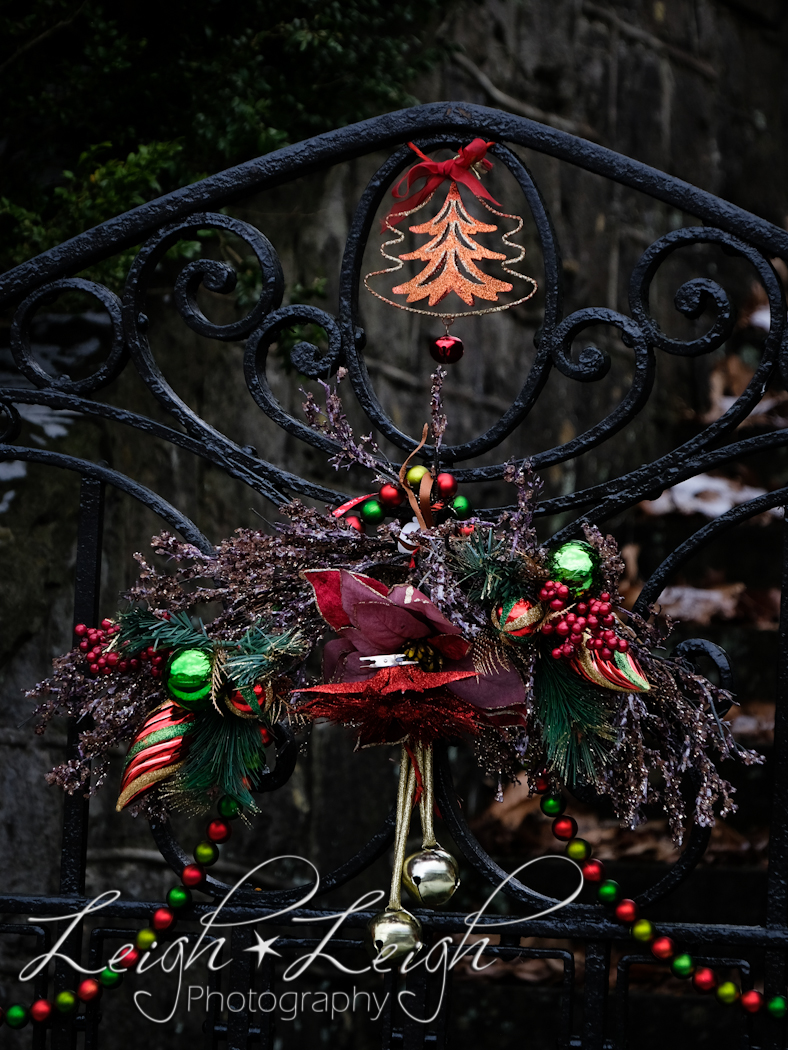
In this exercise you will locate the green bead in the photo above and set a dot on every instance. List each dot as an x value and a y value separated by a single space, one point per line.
415 474
642 930
189 678
609 891
462 507
728 993
552 805
777 1006
682 965
206 853
179 897
229 808
17 1016
145 939
578 849
66 1001
372 512
109 978
574 563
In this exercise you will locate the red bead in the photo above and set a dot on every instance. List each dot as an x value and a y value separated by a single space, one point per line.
605 653
466 530
106 624
627 910
354 523
156 672
547 628
162 919
556 604
662 947
41 1010
113 659
704 979
557 654
751 1001
80 629
604 597
219 831
193 875
391 495
84 645
134 664
94 668
540 784
565 828
88 989
123 665
130 959
446 485
258 690
446 349
563 591
562 627
594 871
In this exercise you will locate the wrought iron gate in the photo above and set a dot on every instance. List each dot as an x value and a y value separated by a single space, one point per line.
181 215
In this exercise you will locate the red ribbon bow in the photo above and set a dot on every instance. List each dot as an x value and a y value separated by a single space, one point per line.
435 172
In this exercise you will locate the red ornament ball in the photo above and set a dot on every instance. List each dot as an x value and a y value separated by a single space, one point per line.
594 871
446 485
41 1010
627 910
446 349
129 960
751 1001
662 947
193 875
163 919
565 828
704 979
79 630
219 830
88 989
391 495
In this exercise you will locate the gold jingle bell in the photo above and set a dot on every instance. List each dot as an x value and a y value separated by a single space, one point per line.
431 875
394 927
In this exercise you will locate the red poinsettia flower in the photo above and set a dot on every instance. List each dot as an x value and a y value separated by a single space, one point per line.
439 695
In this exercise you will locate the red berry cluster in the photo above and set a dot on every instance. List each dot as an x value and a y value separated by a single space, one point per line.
96 642
594 618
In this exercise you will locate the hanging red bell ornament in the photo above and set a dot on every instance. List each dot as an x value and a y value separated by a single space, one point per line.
446 349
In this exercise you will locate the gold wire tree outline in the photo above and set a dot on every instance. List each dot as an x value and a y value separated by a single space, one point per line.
466 249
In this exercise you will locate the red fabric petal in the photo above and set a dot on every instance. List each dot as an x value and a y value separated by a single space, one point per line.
450 646
416 602
355 588
503 689
386 626
328 586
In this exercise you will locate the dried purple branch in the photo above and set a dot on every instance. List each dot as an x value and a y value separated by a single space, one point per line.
439 420
520 521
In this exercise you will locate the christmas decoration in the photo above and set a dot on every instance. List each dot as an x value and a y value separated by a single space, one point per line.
451 252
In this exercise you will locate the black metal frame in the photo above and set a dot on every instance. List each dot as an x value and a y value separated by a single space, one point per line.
181 214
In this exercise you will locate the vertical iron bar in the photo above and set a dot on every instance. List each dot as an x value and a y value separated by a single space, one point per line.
595 997
73 850
777 882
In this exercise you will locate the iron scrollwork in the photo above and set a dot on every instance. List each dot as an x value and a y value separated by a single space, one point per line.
187 213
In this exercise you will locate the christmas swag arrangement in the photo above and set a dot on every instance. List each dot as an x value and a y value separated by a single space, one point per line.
441 625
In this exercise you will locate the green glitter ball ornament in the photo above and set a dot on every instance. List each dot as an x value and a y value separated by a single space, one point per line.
206 853
683 966
609 891
461 507
109 978
65 1002
189 679
574 563
179 897
777 1006
17 1016
578 850
372 512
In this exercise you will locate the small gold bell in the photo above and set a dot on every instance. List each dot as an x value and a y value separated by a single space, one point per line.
431 875
395 927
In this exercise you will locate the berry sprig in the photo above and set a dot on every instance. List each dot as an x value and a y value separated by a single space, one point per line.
162 922
608 892
98 645
588 623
